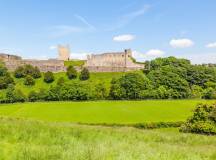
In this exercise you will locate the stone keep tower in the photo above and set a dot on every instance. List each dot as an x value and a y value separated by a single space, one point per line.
64 52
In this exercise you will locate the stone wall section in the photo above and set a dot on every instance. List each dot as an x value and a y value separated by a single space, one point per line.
112 62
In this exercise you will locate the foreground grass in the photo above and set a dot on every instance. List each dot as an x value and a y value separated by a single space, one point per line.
118 112
33 140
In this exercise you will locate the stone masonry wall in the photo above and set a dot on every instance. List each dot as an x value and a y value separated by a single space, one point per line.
112 62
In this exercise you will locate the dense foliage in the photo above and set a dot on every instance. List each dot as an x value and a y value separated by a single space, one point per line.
203 120
29 81
49 77
5 77
84 75
71 72
23 71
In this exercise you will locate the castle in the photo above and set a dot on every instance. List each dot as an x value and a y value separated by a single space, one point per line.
106 62
53 65
113 62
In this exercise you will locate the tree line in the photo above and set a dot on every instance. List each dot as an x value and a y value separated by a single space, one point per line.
163 78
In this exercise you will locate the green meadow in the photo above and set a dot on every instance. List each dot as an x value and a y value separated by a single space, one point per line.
34 140
118 112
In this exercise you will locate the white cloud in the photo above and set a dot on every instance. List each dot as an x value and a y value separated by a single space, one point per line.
53 47
124 38
181 43
64 30
151 54
211 45
155 53
208 57
129 17
84 21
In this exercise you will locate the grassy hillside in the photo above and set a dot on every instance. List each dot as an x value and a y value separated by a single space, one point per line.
74 63
95 78
25 140
119 112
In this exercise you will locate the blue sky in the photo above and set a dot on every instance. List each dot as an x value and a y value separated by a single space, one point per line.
151 28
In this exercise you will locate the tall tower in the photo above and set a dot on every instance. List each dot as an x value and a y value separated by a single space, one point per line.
64 52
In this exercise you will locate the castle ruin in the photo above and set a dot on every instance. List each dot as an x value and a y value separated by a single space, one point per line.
64 53
113 62
106 62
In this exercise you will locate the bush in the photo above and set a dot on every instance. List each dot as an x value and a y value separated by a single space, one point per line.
61 81
209 93
48 77
33 96
202 121
13 95
101 91
71 72
75 91
5 81
19 72
36 73
129 86
29 81
84 75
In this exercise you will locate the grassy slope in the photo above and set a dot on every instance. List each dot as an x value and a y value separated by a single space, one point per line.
95 78
122 112
25 140
74 63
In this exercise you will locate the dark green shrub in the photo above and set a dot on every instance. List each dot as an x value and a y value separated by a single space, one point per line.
48 77
101 91
61 81
33 96
202 121
36 73
13 95
5 81
84 75
19 72
129 86
71 72
209 93
29 81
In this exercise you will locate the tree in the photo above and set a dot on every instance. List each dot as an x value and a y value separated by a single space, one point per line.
167 76
48 77
13 95
71 72
84 75
19 72
61 81
3 70
29 81
30 70
209 93
196 91
202 121
5 81
101 91
36 73
33 96
129 86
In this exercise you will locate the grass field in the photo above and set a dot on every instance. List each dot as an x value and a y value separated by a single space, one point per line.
119 112
33 140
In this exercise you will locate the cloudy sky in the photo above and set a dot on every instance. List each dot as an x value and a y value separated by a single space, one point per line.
151 28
